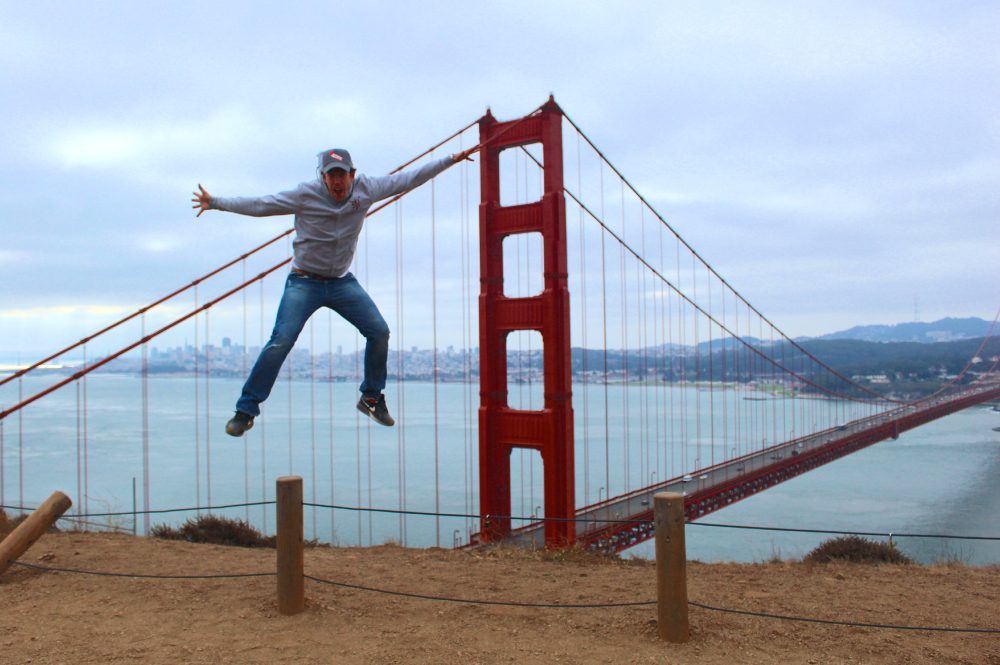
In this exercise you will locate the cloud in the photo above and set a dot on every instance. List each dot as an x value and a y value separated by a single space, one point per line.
140 147
14 257
64 310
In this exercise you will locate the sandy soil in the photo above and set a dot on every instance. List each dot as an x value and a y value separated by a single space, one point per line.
48 617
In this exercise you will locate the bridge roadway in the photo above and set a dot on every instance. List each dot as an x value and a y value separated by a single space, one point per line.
718 486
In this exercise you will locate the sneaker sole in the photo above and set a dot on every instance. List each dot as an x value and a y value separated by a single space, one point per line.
364 409
234 432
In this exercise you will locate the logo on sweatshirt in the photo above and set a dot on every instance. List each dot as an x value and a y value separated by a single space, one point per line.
355 204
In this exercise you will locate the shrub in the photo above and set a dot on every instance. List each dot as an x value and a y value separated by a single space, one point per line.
214 530
856 550
8 524
5 526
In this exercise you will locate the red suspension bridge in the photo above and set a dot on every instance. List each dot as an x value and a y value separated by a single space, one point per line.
612 360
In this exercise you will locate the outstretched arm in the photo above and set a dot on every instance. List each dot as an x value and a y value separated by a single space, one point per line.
282 203
201 200
397 183
465 154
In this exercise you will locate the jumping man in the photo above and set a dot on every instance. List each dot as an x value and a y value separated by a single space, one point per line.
329 213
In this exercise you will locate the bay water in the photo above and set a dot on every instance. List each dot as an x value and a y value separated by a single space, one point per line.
88 441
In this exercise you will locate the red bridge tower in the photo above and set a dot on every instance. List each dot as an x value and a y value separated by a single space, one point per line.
501 428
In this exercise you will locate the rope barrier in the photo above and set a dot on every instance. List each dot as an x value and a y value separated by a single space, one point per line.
842 623
532 518
513 604
151 512
892 534
154 577
472 602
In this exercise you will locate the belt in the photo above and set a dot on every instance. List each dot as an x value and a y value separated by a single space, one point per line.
312 275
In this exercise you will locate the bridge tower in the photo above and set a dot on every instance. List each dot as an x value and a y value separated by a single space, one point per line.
501 428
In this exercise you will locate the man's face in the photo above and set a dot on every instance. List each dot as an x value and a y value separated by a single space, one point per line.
338 183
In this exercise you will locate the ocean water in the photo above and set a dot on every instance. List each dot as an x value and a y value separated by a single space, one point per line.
939 479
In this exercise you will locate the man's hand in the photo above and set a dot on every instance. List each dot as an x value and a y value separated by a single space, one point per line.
201 200
465 154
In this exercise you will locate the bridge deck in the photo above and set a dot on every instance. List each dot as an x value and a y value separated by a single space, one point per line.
715 487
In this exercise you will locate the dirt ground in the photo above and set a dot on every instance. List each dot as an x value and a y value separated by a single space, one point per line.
59 617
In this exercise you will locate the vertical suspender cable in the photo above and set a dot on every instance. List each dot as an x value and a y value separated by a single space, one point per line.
711 374
663 353
583 335
794 395
208 408
86 468
357 431
3 487
399 373
527 282
763 369
20 440
519 294
312 414
737 420
682 341
754 368
329 330
288 360
79 456
464 241
775 393
434 369
784 392
368 423
246 443
197 411
724 378
263 423
671 358
604 303
646 476
626 463
145 431
697 369
468 305
402 373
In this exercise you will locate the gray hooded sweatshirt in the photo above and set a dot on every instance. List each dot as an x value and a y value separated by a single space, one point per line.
326 232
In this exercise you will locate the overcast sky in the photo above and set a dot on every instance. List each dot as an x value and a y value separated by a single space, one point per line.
834 161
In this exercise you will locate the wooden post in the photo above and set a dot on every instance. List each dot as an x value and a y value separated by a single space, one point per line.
291 583
671 567
31 529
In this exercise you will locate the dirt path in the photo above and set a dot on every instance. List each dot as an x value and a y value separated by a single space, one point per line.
48 617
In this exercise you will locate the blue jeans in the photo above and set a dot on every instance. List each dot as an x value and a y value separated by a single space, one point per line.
303 296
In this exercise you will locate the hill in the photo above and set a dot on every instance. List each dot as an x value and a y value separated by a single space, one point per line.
944 330
72 618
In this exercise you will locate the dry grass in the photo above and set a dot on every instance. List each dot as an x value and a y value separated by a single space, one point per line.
567 555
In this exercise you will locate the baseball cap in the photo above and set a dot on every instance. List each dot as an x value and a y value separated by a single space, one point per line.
338 158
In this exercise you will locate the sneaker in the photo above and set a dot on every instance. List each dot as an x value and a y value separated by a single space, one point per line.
239 424
376 410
